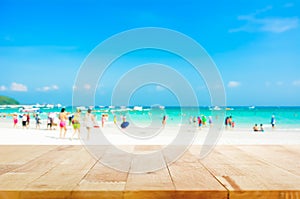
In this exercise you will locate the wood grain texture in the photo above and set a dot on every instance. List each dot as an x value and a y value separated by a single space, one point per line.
227 172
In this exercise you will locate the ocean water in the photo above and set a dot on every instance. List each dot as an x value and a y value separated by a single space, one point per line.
244 117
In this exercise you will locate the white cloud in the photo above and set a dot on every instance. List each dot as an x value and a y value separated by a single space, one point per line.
278 25
48 88
3 88
253 23
18 87
55 87
233 84
296 83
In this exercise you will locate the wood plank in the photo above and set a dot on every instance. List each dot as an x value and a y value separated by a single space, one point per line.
119 157
68 173
4 168
102 178
71 172
158 180
192 180
193 176
284 159
18 178
266 194
244 174
146 185
45 194
20 154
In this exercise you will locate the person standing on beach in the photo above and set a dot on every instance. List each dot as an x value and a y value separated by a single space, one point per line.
226 121
204 119
210 120
37 120
62 124
24 121
89 122
273 121
76 123
194 120
230 121
70 118
199 122
191 120
102 120
28 120
49 121
115 119
15 120
164 121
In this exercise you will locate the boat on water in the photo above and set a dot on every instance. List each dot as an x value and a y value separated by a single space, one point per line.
29 109
82 108
251 107
215 108
50 106
137 108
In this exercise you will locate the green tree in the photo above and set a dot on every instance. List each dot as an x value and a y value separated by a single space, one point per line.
8 101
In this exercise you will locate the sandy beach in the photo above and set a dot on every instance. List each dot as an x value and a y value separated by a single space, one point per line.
33 136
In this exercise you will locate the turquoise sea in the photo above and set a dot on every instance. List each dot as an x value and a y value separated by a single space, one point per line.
244 117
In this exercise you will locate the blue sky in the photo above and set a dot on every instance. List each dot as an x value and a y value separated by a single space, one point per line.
255 44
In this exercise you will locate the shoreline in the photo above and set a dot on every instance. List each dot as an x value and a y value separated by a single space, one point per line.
33 136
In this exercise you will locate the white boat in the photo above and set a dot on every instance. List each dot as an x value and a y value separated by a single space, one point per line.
216 108
38 106
138 108
251 107
161 107
82 108
28 109
50 106
12 106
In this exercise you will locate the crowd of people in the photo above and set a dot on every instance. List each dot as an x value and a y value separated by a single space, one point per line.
62 119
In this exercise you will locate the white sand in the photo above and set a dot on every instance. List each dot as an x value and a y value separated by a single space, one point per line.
32 136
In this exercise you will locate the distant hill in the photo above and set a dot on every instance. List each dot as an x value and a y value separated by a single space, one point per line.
8 101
